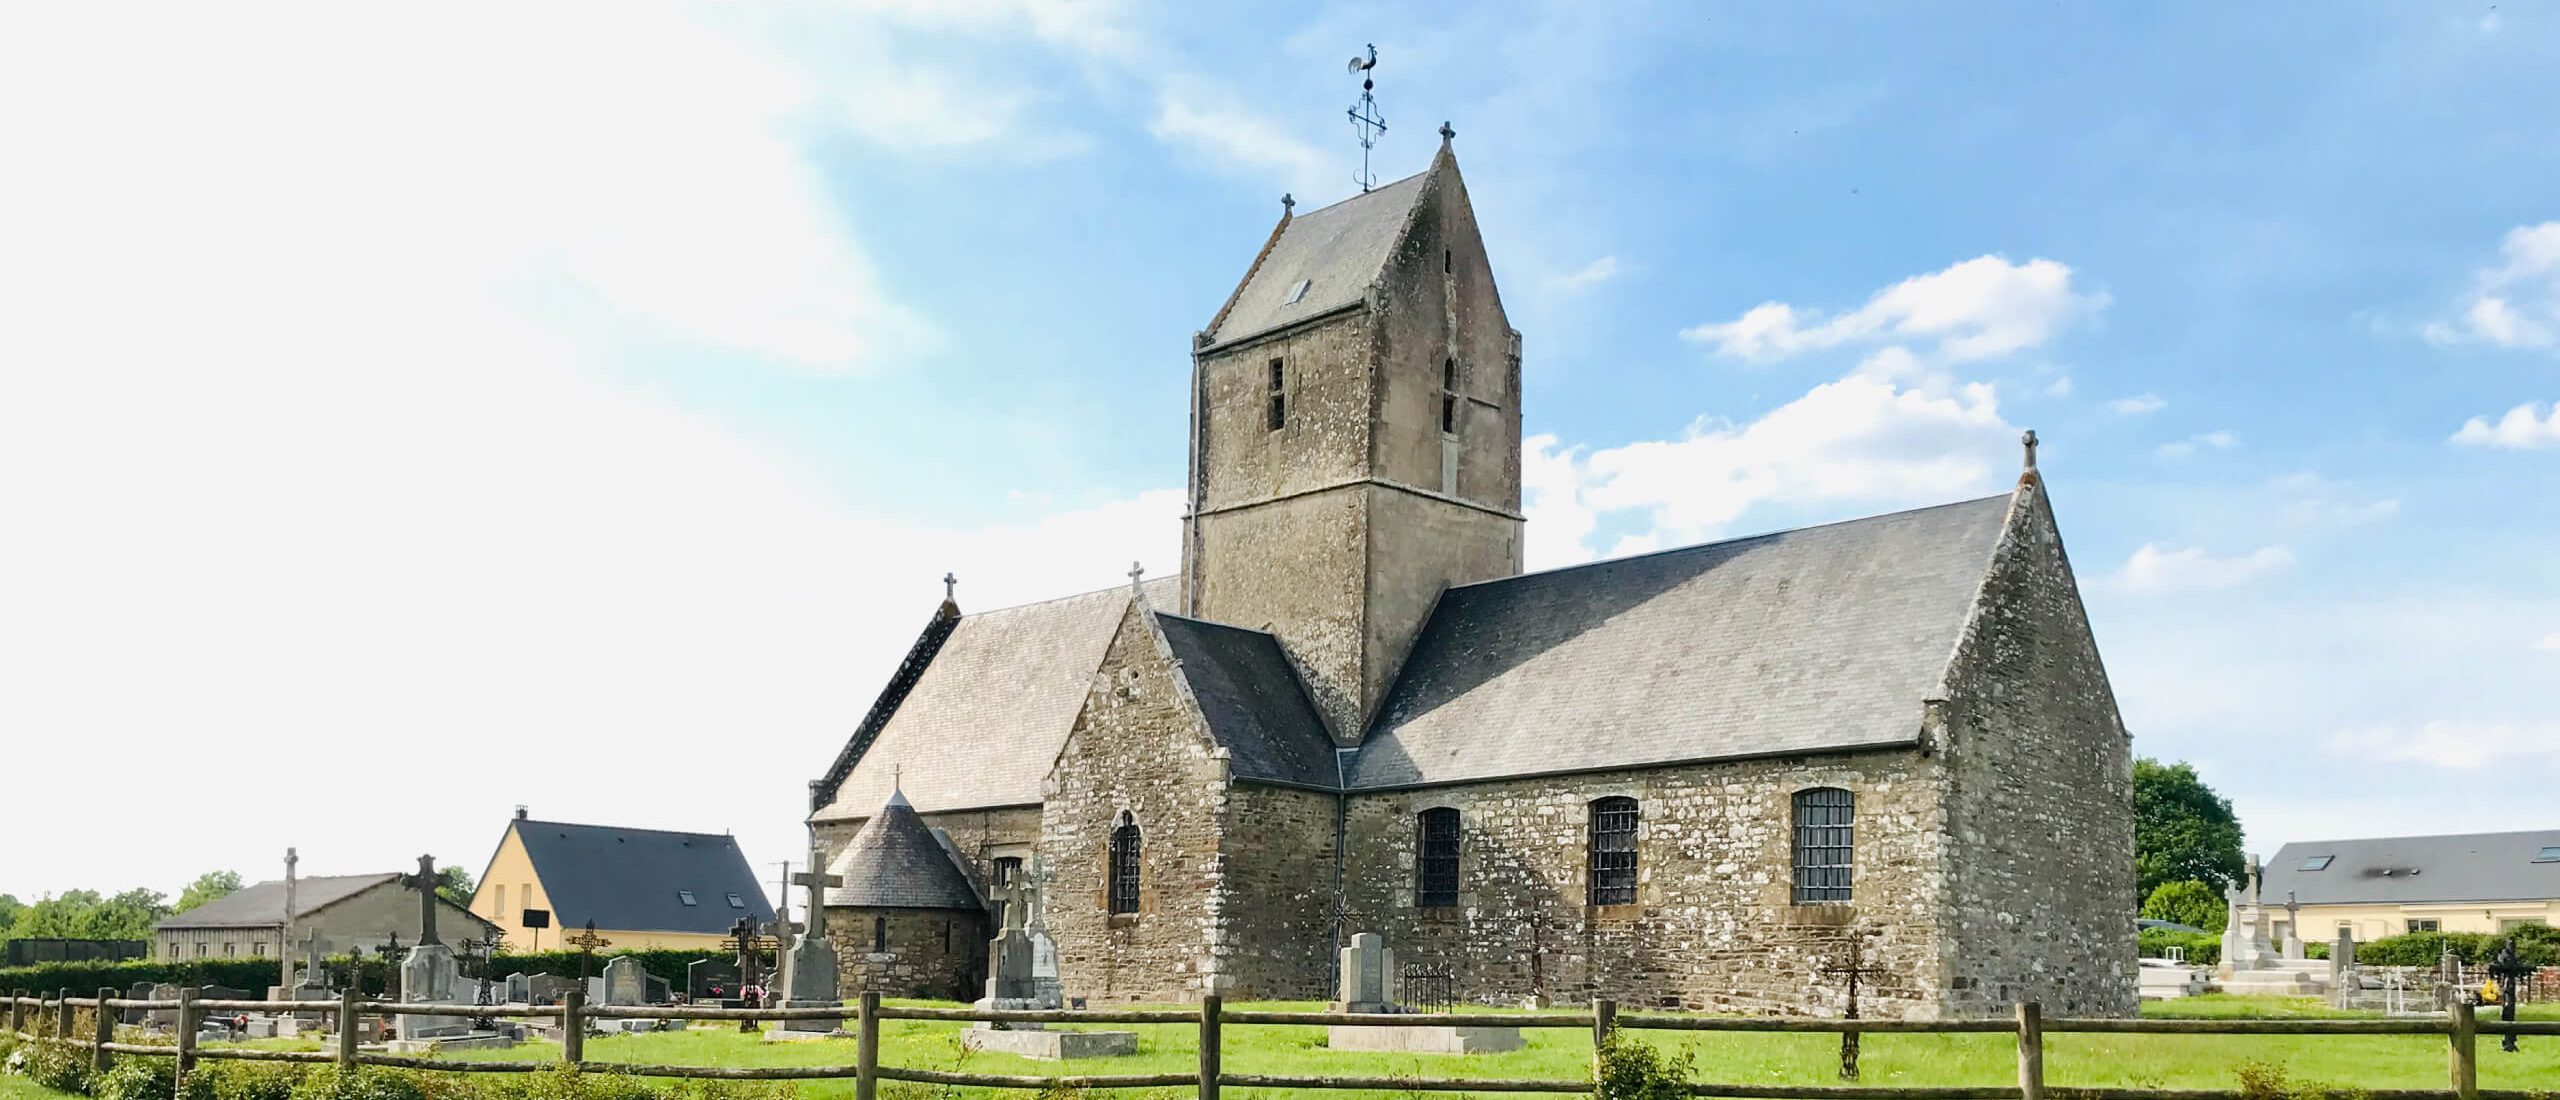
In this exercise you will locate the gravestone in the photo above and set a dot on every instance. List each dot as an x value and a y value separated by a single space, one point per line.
1366 964
161 1019
2345 985
1013 963
519 989
141 991
624 982
431 976
708 980
547 989
654 990
2292 927
809 967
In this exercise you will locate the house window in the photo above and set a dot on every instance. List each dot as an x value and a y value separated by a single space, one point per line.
735 902
203 949
685 896
946 937
1436 874
1613 851
2318 863
259 949
1277 414
1823 827
1125 848
2548 855
879 935
1449 397
2416 925
230 949
1298 292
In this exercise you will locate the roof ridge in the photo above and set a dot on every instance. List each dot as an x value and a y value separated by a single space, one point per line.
1733 541
1120 587
730 837
1378 190
2420 836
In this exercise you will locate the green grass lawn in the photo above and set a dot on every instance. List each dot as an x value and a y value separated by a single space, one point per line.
2142 1061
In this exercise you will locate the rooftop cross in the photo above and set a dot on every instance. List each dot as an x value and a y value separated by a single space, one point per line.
950 587
1365 119
2029 440
1136 572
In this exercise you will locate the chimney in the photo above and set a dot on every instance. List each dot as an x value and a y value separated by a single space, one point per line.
519 811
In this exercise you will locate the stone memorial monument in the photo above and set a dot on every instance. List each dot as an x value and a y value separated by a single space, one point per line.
2252 961
1368 969
809 968
1014 983
429 974
1366 964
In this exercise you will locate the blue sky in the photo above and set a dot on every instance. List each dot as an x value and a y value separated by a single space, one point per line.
584 395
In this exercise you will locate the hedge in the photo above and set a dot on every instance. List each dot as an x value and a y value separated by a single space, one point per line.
63 1068
2203 948
255 975
2538 944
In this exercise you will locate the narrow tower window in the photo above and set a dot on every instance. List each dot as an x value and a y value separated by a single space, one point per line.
879 935
1445 266
1125 846
1436 884
1278 412
1613 851
1825 817
1449 397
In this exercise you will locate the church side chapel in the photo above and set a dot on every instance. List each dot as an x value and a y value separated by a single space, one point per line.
1707 778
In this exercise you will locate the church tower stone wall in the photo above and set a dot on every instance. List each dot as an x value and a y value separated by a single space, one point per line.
1350 464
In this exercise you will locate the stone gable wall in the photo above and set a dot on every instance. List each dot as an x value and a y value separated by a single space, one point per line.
2040 903
930 952
1714 927
1137 747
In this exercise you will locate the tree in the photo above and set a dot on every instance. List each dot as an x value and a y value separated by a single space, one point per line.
10 907
2182 830
2187 902
206 887
85 915
454 884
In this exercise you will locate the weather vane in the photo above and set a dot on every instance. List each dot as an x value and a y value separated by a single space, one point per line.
1364 115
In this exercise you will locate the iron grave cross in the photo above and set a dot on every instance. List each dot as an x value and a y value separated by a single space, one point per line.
424 882
1853 968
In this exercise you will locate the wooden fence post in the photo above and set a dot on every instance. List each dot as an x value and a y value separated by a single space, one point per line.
186 1039
348 1020
1604 1023
866 1048
2465 1034
104 1033
15 1015
573 1025
2030 1051
62 1016
1210 1009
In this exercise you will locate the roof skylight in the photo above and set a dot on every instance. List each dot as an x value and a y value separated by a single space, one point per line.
2548 855
685 896
2318 863
1298 293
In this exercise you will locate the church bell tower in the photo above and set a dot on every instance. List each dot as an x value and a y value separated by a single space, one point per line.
1355 436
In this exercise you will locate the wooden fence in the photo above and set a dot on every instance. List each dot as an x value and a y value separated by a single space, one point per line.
52 1018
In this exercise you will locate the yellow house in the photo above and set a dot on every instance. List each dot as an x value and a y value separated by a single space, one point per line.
641 888
2387 886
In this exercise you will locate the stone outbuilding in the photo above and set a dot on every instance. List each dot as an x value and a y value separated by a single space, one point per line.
907 922
1700 778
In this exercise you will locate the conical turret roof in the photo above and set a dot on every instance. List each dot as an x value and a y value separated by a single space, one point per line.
896 862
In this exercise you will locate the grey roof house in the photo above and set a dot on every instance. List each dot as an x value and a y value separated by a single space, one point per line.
349 912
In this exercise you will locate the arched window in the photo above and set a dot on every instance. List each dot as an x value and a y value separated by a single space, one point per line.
879 935
1825 820
1613 851
1436 872
1125 845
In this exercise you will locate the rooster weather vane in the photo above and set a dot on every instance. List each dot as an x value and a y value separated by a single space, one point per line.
1365 117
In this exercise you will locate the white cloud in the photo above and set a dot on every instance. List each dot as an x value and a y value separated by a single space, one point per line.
2449 744
1590 275
2222 440
2550 642
2523 428
2515 304
2059 387
1979 308
1864 439
2137 405
2156 568
1235 139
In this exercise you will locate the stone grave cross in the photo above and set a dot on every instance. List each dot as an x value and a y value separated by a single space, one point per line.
817 882
425 882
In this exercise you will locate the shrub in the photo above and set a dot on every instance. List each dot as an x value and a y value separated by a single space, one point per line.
137 1079
2186 902
2203 948
1631 1069
57 1066
2538 944
228 1080
359 1083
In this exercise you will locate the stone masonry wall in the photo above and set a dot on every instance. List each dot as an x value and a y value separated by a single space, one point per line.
2040 902
1279 937
981 835
1137 748
1714 927
928 952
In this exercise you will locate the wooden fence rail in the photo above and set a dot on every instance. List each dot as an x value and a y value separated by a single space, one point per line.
51 1018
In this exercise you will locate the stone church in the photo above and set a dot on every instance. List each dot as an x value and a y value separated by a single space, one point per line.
1702 778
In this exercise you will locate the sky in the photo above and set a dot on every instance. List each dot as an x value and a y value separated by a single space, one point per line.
409 415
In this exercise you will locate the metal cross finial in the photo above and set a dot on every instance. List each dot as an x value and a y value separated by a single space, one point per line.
950 586
2029 440
1364 115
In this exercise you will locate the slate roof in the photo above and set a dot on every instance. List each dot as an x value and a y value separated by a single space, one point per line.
1253 702
896 862
987 717
2422 869
1819 639
629 878
1337 250
262 905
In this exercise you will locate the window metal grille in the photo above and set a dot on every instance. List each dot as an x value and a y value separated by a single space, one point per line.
1824 824
1613 851
1125 843
1436 885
